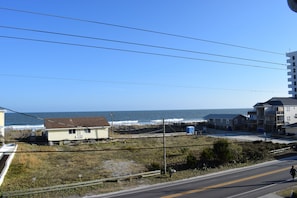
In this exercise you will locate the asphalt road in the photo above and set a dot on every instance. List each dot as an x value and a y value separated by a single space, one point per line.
253 181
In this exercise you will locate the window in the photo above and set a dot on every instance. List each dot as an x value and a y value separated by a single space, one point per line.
87 130
71 131
288 108
294 76
293 57
293 63
294 82
294 70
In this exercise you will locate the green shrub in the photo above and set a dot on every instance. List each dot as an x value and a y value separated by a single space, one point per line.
236 152
191 161
207 155
222 151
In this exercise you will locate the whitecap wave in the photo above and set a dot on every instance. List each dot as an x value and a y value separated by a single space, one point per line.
125 122
24 127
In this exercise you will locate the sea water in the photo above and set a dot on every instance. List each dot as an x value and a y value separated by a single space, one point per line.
36 120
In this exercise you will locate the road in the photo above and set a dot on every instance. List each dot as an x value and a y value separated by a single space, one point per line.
252 181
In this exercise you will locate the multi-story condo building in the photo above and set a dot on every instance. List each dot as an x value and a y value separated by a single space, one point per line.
279 114
292 73
274 115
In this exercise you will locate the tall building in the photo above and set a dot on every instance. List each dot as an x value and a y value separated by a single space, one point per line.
292 73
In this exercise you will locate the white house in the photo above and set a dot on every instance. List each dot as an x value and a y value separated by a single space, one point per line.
71 129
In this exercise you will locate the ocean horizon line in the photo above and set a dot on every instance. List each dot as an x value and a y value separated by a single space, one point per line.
110 111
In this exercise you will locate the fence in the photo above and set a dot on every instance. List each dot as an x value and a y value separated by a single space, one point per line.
79 184
11 149
280 150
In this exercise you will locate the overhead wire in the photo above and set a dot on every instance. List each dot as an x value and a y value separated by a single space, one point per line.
138 52
132 83
140 29
139 44
25 114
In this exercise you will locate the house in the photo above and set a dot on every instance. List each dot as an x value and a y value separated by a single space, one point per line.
274 115
226 121
73 129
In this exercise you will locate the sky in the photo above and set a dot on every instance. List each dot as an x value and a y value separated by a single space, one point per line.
111 55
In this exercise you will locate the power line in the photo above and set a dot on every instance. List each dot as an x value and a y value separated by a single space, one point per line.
141 29
130 83
140 44
138 52
25 114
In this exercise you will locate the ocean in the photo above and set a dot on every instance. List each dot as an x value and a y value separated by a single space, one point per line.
35 120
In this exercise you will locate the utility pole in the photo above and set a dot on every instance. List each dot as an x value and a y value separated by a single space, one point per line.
164 147
111 115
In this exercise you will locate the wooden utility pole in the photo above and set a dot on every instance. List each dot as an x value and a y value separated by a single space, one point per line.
164 147
111 132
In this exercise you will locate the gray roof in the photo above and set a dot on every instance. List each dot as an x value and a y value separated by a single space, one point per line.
222 116
279 101
53 123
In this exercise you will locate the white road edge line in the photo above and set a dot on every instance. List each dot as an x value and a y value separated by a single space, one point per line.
244 193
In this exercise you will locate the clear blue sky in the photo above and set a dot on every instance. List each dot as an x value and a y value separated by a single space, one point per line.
39 76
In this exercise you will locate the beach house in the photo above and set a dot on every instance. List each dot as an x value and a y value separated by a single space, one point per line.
274 115
76 129
226 121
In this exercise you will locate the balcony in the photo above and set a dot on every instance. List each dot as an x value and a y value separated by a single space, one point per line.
279 113
290 73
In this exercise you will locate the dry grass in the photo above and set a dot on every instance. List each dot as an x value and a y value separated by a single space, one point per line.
54 165
31 168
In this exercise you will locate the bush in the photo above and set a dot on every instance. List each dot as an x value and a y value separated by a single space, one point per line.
255 151
236 152
222 151
191 161
207 156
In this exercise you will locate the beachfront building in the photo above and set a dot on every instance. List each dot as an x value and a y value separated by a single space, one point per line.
64 130
274 115
226 121
2 125
292 73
